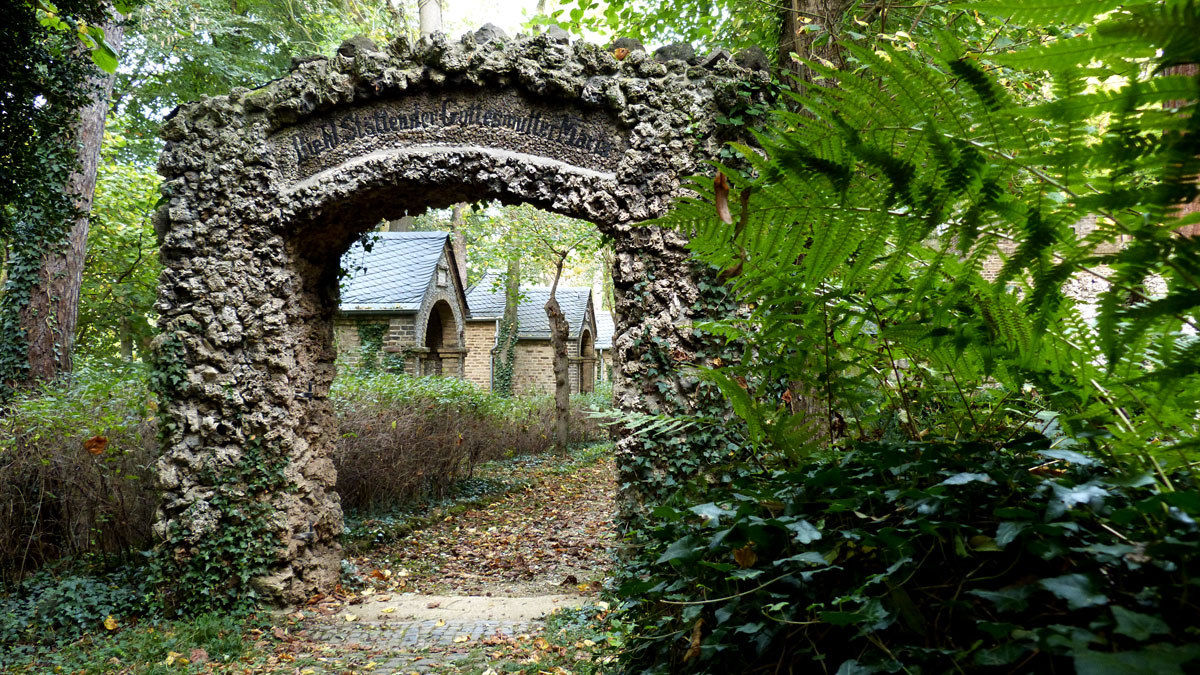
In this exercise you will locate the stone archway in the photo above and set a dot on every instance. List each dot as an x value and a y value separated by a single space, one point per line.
587 362
266 188
441 342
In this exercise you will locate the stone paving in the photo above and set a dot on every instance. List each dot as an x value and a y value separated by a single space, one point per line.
418 646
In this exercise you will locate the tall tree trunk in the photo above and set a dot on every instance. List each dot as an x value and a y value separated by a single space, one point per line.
49 318
1193 230
806 29
458 241
559 334
608 297
431 16
506 348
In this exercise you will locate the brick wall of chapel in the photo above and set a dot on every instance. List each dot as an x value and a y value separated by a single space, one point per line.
480 338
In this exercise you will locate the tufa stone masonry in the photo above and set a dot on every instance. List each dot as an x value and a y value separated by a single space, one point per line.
265 189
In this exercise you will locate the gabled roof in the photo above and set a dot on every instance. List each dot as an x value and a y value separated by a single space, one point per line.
531 313
605 328
394 274
486 301
486 298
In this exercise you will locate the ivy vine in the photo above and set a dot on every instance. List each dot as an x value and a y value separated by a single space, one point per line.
47 80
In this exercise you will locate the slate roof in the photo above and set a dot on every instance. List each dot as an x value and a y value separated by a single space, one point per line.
486 300
605 328
394 274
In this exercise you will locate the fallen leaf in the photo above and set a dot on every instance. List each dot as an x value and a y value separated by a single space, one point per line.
745 556
694 648
721 194
387 610
620 53
440 623
350 617
110 623
462 638
198 655
172 658
95 445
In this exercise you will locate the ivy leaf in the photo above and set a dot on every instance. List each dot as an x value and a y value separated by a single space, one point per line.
853 667
711 513
804 531
1138 626
1068 456
1160 661
1076 589
965 477
1008 531
682 548
1006 600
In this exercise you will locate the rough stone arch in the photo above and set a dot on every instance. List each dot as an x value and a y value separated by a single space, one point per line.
265 189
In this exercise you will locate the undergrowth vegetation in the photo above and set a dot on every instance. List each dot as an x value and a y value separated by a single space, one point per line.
945 466
78 490
404 437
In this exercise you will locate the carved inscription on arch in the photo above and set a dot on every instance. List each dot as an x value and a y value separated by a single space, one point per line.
503 121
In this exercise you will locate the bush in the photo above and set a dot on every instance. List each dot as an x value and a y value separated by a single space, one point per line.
77 468
77 458
924 558
404 438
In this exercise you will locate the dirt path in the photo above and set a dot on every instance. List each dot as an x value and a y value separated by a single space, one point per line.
477 580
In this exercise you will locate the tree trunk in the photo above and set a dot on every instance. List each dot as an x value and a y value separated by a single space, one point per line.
431 16
506 348
49 318
559 334
1193 230
458 242
126 331
608 299
808 22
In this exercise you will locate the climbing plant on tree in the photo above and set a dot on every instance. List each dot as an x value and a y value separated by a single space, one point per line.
51 121
1001 473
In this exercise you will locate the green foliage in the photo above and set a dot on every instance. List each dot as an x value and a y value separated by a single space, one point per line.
940 465
502 368
62 499
732 24
46 83
371 355
49 608
923 558
183 50
873 217
120 276
146 649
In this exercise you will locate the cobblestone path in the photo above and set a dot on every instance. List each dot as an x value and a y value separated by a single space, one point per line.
559 529
404 647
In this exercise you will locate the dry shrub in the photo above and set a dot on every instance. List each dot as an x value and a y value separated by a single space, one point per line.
77 469
64 492
407 438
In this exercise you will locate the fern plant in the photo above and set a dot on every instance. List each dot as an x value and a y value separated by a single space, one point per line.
927 254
